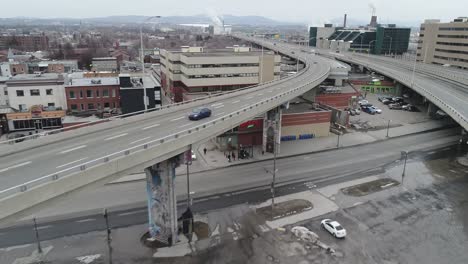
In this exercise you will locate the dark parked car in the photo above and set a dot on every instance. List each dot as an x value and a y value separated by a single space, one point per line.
382 98
200 113
395 106
368 109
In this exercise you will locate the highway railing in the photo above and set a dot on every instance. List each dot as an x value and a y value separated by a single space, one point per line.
156 142
407 80
89 123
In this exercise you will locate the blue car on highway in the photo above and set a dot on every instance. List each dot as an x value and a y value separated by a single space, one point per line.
200 113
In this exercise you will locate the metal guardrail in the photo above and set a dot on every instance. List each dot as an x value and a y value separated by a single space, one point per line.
113 118
456 115
150 144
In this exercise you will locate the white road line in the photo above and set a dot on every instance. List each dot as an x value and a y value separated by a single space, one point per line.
218 114
220 106
179 118
134 212
66 164
136 141
44 227
189 124
213 105
16 166
270 91
86 220
248 98
148 127
244 105
235 102
259 94
73 149
117 136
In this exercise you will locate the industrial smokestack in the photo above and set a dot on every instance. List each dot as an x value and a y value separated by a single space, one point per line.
373 22
345 18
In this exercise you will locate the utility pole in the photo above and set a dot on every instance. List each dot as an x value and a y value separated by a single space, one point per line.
188 163
39 248
274 176
405 154
109 239
388 127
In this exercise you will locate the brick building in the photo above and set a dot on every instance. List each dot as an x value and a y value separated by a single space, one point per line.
91 92
33 42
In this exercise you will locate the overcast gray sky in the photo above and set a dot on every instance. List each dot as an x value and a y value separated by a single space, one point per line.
306 11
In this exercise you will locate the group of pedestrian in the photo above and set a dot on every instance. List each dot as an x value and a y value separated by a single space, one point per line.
231 156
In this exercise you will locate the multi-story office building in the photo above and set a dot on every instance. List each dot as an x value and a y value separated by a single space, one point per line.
105 64
193 71
444 43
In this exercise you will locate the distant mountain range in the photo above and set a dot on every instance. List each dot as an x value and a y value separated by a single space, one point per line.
115 20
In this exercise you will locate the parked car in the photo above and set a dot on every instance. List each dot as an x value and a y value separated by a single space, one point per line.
410 108
334 228
362 102
369 110
194 156
382 98
387 101
200 113
397 100
377 110
395 106
352 112
358 112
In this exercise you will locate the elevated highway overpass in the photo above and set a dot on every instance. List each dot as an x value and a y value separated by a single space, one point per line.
445 87
34 171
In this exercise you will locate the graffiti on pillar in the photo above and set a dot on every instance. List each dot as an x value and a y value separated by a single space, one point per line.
162 214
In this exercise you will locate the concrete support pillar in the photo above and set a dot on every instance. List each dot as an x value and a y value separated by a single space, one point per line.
464 137
431 109
399 89
338 82
272 130
310 95
162 203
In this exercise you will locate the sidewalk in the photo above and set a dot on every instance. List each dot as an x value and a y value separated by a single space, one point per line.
216 159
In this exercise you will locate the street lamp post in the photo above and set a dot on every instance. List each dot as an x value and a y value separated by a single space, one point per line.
38 241
145 97
109 238
391 40
368 51
405 155
388 126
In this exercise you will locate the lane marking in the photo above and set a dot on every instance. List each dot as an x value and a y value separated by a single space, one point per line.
270 91
179 118
117 136
217 107
136 141
189 124
66 164
44 227
148 127
86 220
248 98
16 166
235 102
222 113
213 105
259 94
134 212
242 106
73 149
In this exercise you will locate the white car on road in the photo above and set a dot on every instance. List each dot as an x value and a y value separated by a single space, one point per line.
334 228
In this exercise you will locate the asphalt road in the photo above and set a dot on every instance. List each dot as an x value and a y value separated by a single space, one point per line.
30 164
235 185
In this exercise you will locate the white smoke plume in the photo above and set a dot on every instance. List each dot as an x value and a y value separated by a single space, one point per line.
372 8
211 12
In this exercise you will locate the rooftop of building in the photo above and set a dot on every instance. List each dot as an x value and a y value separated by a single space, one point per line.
299 105
225 53
38 76
79 79
104 58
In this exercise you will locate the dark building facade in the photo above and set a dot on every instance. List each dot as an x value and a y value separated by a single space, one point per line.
25 42
131 93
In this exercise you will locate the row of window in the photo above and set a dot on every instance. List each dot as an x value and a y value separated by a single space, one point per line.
453 36
222 75
452 51
453 44
221 65
91 94
33 92
450 59
92 106
37 123
453 29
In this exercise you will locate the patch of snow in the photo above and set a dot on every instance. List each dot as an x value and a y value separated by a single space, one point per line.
88 259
